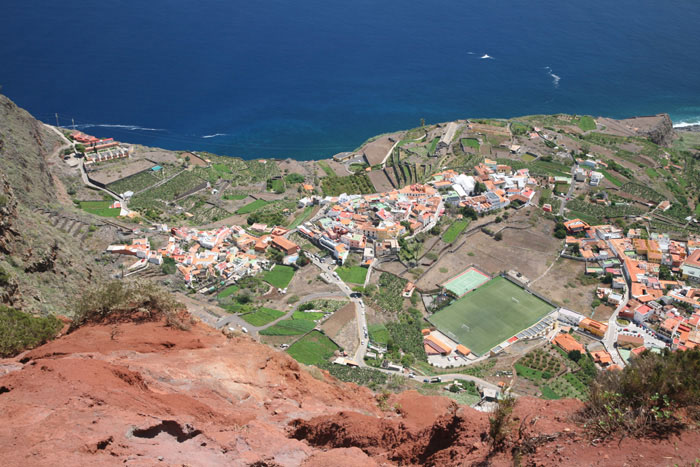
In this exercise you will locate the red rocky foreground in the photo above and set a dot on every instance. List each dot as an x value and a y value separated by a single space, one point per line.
145 394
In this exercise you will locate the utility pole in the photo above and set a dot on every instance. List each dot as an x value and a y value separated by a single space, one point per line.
57 119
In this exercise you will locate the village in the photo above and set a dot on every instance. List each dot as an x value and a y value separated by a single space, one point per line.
652 312
474 322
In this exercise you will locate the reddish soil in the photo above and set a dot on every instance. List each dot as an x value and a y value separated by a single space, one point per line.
140 394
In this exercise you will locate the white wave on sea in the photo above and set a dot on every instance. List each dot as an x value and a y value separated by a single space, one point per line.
555 78
486 56
685 124
114 125
214 135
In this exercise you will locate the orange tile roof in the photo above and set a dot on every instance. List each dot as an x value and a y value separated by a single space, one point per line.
567 343
437 344
602 357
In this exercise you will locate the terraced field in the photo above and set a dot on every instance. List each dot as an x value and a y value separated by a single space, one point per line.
156 198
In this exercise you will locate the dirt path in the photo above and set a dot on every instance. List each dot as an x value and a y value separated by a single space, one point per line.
550 267
61 192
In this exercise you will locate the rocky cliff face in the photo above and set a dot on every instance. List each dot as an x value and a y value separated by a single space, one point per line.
658 128
43 267
141 394
8 214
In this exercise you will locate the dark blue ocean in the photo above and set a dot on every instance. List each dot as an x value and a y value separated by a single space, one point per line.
310 78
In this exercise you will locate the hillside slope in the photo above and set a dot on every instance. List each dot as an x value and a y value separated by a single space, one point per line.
41 266
139 393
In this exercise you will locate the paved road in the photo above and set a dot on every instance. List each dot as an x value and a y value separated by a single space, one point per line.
83 173
611 335
329 270
448 377
570 193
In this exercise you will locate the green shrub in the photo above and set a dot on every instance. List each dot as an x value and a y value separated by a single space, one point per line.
644 398
20 331
294 178
168 266
117 301
500 423
362 376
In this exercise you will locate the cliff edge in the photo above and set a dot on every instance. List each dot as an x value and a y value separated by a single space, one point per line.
141 393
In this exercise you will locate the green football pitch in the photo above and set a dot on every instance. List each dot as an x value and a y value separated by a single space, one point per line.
490 314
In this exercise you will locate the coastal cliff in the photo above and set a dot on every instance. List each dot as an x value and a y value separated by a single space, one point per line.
658 128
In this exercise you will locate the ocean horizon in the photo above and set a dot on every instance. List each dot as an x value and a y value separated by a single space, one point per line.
310 79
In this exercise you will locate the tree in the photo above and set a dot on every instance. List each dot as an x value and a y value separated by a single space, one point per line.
80 148
498 236
422 122
302 260
275 255
559 230
407 360
468 211
479 188
244 298
168 266
574 355
607 278
665 273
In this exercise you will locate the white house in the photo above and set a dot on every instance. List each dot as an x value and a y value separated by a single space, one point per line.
467 182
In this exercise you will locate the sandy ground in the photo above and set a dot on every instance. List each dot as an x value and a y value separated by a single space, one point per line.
527 251
294 166
557 286
347 337
337 167
333 325
380 181
603 313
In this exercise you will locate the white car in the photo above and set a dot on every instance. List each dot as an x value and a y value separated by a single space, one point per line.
244 329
